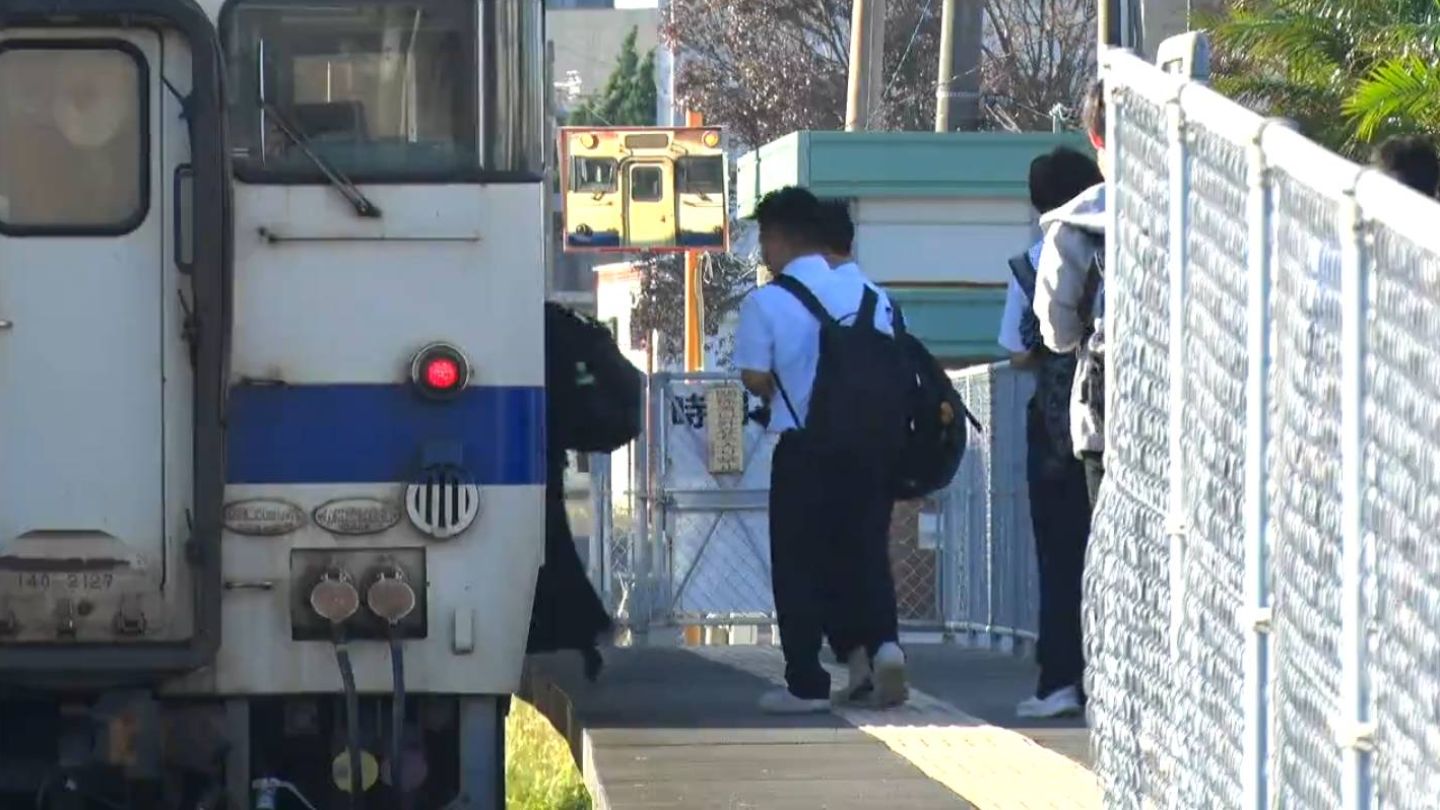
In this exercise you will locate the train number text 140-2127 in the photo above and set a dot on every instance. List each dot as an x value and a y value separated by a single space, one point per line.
77 581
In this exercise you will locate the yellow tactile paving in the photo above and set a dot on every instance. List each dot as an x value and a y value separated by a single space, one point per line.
990 767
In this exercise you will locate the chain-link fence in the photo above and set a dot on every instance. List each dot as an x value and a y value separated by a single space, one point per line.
685 545
1262 596
675 544
992 593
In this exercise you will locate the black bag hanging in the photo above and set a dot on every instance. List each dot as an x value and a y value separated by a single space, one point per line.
1090 356
937 437
595 396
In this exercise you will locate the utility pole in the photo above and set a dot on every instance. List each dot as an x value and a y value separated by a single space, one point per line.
666 65
694 291
1142 25
551 170
1112 21
957 99
1160 20
867 63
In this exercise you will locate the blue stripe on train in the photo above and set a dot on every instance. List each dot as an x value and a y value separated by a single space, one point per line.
352 434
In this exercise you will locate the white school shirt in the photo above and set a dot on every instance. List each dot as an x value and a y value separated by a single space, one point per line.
777 334
1015 305
852 270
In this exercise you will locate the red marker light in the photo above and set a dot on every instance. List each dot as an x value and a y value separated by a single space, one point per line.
442 373
439 371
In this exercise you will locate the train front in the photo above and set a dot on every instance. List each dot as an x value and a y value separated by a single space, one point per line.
385 458
374 478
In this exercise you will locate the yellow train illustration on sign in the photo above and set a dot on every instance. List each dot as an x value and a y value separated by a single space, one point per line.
644 189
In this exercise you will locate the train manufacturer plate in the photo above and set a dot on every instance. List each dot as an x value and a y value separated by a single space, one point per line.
263 517
357 516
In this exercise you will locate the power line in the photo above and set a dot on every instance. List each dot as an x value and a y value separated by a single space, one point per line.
914 35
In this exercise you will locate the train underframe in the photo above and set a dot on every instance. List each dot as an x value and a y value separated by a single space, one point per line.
134 749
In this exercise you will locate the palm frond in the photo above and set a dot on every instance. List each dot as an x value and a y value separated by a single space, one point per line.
1403 92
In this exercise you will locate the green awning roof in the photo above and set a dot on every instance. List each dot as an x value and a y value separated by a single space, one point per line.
897 164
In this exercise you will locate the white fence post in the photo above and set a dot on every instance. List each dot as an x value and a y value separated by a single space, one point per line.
601 523
1175 517
1256 747
1114 156
1356 731
662 573
1175 506
642 556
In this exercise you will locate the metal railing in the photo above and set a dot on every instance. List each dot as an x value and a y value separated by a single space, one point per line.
675 545
1263 585
992 598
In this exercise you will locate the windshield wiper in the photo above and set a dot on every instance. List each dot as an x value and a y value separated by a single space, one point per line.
352 194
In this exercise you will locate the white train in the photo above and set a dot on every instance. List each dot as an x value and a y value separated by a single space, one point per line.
271 398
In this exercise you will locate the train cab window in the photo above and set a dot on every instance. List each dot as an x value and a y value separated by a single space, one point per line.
381 90
700 175
647 184
74 141
593 175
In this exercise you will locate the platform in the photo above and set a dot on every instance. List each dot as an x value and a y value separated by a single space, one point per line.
678 728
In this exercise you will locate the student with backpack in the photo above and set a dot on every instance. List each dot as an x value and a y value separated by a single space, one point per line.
1059 501
838 235
594 404
818 347
1070 300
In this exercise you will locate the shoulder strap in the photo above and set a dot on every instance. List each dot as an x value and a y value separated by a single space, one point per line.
868 301
1024 273
1094 277
807 298
789 406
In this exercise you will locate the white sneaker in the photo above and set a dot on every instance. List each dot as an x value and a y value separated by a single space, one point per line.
860 686
890 686
1060 703
782 701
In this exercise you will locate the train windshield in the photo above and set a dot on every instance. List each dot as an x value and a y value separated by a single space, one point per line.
700 175
380 90
595 175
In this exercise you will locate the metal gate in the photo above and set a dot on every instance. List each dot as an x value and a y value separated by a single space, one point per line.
681 534
682 513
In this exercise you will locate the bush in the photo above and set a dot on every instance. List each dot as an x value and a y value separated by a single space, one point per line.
540 773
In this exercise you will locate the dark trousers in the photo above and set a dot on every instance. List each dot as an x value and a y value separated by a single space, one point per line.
567 614
1060 514
829 560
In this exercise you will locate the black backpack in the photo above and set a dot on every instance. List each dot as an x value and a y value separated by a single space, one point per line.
936 441
859 405
594 396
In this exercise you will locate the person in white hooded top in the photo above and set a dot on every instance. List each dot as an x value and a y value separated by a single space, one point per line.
1070 296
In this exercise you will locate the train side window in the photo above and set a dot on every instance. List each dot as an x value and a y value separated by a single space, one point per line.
593 175
647 184
382 90
700 175
74 138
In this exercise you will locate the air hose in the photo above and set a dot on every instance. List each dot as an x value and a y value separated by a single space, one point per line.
352 718
391 598
397 719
